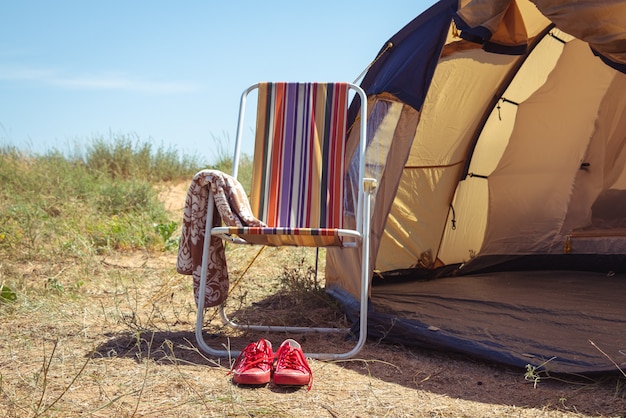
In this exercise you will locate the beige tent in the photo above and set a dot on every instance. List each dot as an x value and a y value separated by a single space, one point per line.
499 143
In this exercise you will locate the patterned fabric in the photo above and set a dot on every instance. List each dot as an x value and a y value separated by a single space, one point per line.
233 209
300 131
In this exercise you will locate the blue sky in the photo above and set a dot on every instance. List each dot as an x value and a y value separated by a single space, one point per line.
170 73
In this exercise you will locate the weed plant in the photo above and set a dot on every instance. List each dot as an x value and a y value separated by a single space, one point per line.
127 157
224 163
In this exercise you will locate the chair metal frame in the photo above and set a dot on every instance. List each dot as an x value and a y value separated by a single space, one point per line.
360 236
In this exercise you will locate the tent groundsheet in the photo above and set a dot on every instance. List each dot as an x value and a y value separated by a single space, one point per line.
550 318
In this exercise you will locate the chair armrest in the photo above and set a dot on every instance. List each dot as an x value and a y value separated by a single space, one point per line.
369 185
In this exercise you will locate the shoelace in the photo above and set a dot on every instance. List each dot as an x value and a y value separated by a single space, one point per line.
291 358
252 356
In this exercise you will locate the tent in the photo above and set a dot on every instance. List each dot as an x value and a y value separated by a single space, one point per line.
498 139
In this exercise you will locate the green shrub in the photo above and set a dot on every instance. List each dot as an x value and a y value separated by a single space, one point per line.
80 205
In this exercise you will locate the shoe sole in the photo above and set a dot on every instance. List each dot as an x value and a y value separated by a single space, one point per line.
252 379
292 380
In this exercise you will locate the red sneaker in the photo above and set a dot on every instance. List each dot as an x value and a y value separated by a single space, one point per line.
254 364
291 366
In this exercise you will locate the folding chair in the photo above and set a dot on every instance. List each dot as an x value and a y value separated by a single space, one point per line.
298 187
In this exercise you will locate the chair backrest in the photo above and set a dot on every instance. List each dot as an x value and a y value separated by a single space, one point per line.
299 156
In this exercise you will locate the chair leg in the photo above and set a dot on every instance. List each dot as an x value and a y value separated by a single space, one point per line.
364 298
202 290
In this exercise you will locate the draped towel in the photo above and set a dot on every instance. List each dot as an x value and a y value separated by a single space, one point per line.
233 209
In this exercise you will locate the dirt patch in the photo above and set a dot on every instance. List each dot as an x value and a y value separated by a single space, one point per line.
173 197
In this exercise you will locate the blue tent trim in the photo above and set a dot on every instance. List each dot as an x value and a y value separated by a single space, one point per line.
406 69
481 35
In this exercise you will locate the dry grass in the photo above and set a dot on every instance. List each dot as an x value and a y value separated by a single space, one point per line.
114 337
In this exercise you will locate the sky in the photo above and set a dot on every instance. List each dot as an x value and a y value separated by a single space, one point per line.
170 73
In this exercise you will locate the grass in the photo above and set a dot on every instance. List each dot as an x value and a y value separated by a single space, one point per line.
100 200
128 157
95 321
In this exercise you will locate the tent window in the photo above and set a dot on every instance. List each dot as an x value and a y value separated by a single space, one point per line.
382 123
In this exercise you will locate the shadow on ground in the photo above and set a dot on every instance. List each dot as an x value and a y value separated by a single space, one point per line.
441 373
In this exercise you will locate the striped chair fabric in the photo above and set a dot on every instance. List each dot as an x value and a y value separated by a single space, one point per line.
299 157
